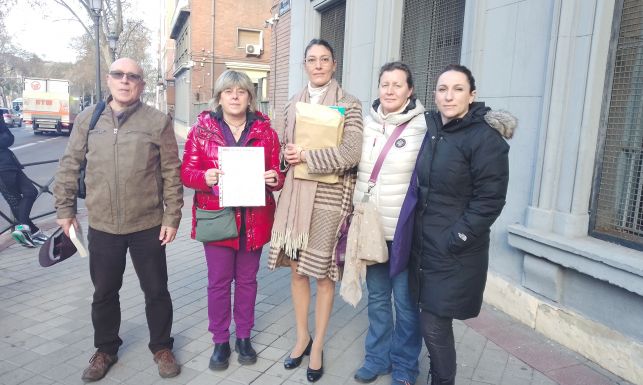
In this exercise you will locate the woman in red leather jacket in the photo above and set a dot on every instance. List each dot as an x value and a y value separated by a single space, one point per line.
233 122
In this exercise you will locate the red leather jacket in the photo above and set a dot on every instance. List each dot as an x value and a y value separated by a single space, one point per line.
201 154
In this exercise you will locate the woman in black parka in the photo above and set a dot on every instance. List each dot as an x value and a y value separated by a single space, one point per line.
463 171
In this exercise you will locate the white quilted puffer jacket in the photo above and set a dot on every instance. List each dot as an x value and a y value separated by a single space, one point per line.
395 175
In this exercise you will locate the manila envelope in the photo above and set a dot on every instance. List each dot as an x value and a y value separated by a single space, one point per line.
316 127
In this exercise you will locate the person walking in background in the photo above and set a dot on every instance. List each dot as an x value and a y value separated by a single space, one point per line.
134 199
232 122
18 191
391 345
463 172
309 212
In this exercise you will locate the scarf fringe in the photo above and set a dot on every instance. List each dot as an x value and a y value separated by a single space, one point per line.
288 243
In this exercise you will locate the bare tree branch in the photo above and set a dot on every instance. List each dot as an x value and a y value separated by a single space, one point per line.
64 4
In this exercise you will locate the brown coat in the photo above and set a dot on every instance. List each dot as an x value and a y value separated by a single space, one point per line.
133 171
332 202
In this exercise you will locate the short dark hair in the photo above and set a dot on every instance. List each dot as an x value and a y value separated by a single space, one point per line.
321 42
462 69
397 65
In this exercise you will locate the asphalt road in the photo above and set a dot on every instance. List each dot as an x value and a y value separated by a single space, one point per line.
30 148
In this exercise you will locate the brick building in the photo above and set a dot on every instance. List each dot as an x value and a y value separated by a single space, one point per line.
204 38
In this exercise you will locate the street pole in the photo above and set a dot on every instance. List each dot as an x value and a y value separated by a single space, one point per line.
97 32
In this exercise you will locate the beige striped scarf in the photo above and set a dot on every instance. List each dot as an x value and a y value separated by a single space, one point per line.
291 226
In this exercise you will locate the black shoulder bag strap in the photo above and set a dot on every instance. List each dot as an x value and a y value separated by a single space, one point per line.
98 110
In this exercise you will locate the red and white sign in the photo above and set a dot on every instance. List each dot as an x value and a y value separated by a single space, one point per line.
35 85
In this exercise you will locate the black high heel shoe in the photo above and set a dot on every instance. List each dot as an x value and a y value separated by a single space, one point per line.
313 375
294 362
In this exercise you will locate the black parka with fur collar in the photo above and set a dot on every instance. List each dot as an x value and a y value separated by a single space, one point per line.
463 172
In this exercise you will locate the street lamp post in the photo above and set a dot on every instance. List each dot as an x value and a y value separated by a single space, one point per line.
112 38
96 7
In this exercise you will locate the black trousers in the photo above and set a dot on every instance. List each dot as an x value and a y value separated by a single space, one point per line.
438 337
20 194
107 256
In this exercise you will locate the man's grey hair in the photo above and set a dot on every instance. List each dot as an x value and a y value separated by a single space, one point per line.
231 79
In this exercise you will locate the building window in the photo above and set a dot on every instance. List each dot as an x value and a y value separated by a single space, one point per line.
183 45
333 21
248 36
431 39
617 204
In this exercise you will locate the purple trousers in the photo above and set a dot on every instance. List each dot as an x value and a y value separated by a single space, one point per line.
225 265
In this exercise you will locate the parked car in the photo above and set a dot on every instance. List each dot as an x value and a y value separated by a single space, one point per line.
11 117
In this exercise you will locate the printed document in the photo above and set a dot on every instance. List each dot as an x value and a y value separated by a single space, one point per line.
242 183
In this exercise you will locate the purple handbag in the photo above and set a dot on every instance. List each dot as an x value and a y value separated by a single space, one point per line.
342 239
401 248
342 235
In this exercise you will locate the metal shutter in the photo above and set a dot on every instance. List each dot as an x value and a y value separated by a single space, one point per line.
431 39
333 21
617 207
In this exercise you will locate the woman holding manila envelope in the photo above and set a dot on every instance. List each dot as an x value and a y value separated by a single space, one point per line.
321 148
233 122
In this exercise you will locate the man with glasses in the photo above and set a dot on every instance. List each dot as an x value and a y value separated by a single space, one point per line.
134 199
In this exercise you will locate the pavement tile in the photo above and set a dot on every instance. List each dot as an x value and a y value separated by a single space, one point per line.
38 380
272 353
205 378
540 379
196 346
243 375
544 357
264 338
487 376
46 335
6 366
266 379
16 376
578 375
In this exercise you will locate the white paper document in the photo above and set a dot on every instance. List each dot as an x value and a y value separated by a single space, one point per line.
78 240
242 183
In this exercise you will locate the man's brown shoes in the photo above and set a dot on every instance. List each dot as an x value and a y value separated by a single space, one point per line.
99 364
168 367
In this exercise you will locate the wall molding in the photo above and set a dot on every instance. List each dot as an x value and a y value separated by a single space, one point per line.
608 348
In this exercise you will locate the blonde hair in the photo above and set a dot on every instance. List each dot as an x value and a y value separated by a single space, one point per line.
231 79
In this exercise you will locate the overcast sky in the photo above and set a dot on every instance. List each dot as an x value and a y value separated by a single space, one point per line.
50 37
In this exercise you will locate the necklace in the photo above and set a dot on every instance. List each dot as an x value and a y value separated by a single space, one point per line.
236 127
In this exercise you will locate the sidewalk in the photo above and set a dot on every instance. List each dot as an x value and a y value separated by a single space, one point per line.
46 332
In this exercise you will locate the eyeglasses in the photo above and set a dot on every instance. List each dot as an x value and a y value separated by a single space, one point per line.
118 75
324 60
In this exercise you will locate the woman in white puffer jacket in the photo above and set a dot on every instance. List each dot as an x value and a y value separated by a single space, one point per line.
391 346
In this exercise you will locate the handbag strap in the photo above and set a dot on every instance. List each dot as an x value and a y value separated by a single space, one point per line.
380 159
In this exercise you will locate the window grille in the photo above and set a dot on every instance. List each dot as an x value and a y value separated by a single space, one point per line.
431 39
183 45
333 21
617 204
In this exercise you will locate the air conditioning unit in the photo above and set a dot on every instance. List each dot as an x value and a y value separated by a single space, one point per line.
253 49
